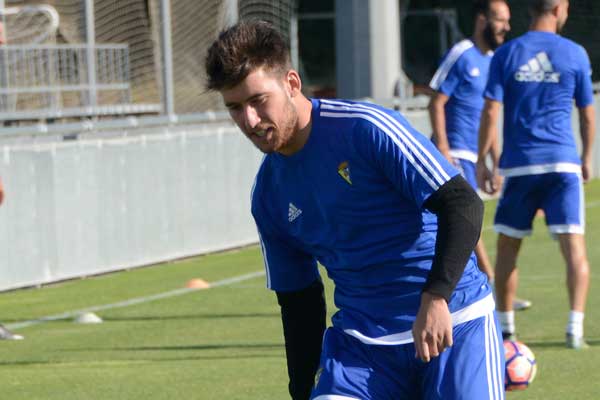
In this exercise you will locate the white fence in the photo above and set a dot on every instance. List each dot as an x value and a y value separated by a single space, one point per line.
133 194
53 81
88 206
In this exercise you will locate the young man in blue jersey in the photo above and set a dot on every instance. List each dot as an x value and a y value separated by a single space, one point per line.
459 82
536 76
354 187
456 106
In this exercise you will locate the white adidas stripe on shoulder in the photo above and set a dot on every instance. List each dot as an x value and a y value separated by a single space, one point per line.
423 161
442 72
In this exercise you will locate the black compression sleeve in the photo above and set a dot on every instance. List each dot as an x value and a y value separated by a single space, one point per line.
460 213
303 315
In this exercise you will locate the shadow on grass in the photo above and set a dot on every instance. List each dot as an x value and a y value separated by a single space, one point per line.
224 346
190 316
112 361
558 344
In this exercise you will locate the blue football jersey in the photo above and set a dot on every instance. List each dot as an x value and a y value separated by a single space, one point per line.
462 77
537 76
352 199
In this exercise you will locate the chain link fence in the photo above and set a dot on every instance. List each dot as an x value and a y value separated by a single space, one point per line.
135 24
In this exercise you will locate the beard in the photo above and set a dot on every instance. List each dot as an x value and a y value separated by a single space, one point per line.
285 131
490 37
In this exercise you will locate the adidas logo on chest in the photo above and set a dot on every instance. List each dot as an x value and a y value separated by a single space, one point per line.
293 212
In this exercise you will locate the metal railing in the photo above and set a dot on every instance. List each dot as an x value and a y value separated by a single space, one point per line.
53 81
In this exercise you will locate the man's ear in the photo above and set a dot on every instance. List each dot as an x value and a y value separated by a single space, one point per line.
293 82
556 9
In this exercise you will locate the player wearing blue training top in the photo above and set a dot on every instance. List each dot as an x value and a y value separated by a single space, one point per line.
456 105
536 76
354 187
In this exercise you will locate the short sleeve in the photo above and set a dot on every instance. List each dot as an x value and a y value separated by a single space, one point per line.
406 157
494 89
287 267
584 94
448 75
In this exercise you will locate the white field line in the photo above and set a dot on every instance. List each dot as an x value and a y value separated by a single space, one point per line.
134 301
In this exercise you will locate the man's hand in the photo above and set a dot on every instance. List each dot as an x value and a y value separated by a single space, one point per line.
488 181
432 330
1 192
586 170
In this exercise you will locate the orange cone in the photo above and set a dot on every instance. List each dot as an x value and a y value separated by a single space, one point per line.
197 283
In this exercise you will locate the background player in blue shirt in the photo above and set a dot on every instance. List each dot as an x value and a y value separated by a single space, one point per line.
456 106
536 76
354 187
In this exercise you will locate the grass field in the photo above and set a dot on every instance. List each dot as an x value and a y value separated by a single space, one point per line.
226 342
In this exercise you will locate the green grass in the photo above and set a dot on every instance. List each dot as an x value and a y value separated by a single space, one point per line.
226 342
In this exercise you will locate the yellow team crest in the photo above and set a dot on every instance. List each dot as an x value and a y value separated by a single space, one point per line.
344 171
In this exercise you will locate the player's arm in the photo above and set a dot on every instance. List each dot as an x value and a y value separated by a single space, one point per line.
587 130
418 171
437 116
460 214
303 314
488 180
294 276
1 192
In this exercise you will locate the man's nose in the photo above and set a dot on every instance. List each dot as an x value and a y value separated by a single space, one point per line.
251 117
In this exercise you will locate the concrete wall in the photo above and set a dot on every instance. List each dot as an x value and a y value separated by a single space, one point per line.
95 205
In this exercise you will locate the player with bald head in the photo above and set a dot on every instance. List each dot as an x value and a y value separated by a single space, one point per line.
536 77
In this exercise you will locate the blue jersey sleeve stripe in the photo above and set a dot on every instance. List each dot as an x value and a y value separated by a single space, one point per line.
256 178
396 140
431 164
262 245
265 259
442 72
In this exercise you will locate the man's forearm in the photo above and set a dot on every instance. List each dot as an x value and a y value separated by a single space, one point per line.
437 116
587 129
460 214
303 316
488 131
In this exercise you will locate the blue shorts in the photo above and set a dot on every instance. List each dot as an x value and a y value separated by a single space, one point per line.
467 169
559 194
473 368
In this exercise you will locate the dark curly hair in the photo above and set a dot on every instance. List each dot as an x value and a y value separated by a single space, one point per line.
243 48
483 6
